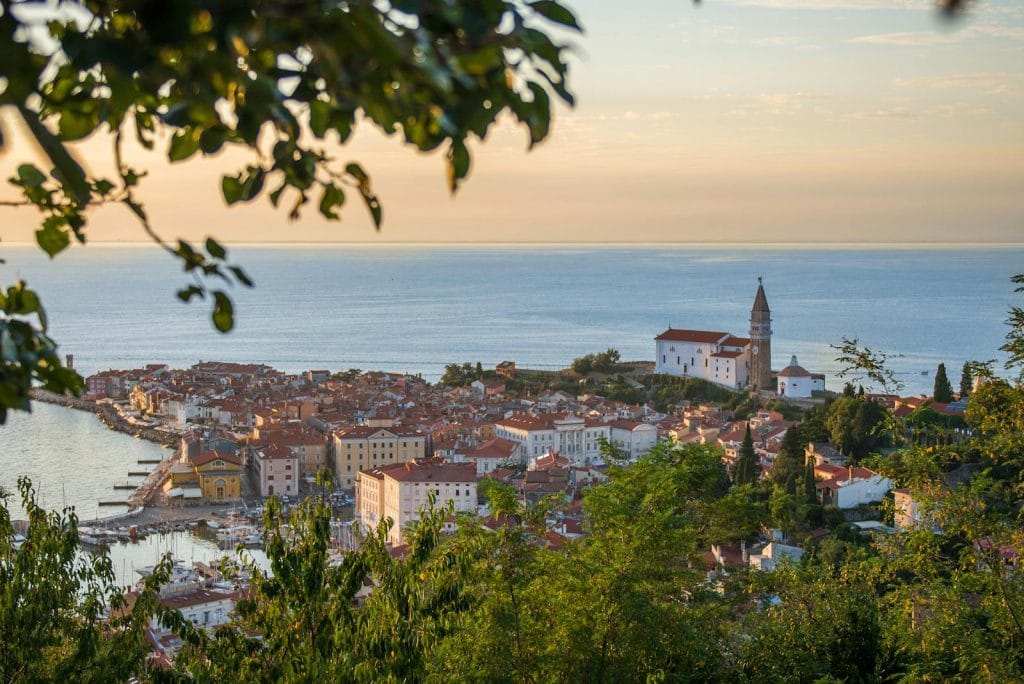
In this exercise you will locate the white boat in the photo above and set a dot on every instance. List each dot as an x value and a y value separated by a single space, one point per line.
213 524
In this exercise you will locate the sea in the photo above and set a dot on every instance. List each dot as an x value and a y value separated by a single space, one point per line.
416 308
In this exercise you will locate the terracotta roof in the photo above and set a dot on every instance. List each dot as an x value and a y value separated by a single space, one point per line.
733 341
411 471
700 336
203 459
494 448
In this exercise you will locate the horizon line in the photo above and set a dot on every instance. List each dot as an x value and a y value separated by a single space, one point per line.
937 244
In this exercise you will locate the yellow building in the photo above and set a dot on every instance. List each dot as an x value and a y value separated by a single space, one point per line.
219 475
360 448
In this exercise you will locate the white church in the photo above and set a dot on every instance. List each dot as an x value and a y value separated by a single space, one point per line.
731 361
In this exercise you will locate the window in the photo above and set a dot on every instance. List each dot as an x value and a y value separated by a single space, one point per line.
678 361
270 477
663 358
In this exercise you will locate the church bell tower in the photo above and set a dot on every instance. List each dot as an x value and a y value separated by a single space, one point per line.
761 341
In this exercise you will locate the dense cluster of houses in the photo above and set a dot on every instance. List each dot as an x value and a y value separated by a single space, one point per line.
251 429
398 442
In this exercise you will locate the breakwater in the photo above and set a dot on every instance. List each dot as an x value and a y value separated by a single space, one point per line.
109 415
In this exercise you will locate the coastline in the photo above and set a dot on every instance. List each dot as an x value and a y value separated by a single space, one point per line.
143 495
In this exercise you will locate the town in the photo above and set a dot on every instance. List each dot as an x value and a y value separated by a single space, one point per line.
388 447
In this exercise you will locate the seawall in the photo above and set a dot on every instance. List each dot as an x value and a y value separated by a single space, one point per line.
108 414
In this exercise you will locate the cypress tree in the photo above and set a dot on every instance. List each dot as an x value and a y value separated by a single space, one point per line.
943 391
746 464
966 381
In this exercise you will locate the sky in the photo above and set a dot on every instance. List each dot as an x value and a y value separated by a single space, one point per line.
747 121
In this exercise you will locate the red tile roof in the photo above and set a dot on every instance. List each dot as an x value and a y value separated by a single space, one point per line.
700 336
203 459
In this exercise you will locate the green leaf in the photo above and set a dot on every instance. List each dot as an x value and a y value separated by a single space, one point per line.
552 11
458 164
373 204
186 294
215 249
184 144
231 187
241 276
71 173
74 125
30 177
319 117
356 171
223 312
52 237
332 198
103 186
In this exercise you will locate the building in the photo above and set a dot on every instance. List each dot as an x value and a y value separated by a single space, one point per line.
795 381
276 471
399 491
490 455
761 341
850 487
720 357
364 447
717 357
219 475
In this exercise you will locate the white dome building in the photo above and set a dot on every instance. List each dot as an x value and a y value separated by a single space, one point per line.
795 381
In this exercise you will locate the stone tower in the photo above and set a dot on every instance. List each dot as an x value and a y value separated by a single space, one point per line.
761 341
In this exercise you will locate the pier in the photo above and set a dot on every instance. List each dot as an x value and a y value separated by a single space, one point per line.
149 461
138 473
125 486
113 503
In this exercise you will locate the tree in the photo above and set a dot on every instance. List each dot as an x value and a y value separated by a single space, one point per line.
943 391
1014 346
747 468
966 381
278 79
52 603
855 425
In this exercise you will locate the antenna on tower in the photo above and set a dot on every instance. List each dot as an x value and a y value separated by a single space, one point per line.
759 280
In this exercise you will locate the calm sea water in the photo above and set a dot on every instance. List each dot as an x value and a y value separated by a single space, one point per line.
414 309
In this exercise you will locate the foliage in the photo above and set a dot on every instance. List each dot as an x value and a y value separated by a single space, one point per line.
53 600
861 363
854 425
747 469
1014 346
966 380
943 391
459 376
351 375
283 82
28 355
601 362
669 390
303 621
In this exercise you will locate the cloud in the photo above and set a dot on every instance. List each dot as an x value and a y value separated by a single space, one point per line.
929 38
898 113
993 83
927 5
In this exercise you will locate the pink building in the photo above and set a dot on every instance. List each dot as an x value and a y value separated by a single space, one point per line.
277 471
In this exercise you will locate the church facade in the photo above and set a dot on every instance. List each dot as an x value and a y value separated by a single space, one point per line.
721 357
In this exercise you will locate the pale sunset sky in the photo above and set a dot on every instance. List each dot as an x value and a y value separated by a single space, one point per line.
733 121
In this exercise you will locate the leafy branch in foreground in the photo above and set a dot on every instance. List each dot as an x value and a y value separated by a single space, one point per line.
861 363
285 82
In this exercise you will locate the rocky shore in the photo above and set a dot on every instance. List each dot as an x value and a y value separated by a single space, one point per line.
108 414
146 494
